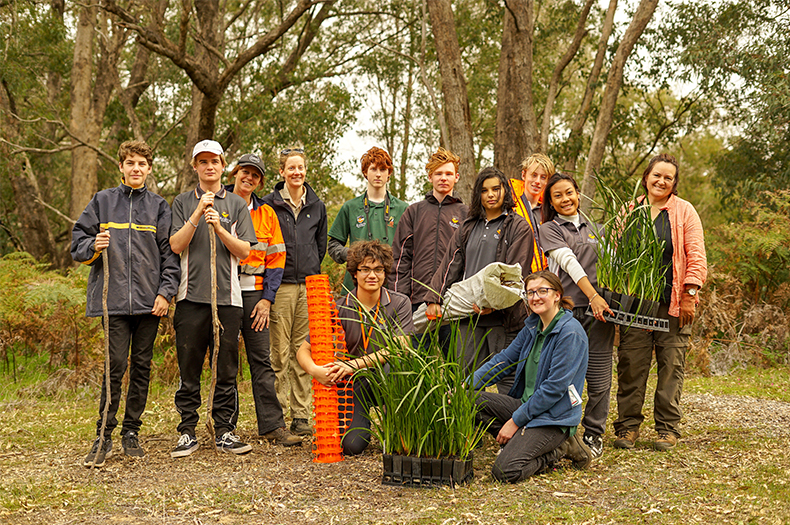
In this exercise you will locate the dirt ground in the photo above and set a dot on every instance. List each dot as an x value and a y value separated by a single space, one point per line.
731 467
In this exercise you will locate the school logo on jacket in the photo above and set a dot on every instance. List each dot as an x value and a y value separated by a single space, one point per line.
498 234
361 221
455 222
392 222
224 217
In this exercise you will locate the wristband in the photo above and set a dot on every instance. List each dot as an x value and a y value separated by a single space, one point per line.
594 296
189 220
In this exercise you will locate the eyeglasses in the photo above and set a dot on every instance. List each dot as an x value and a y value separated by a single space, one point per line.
540 292
364 270
292 150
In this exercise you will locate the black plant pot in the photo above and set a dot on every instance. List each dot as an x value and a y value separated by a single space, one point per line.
410 471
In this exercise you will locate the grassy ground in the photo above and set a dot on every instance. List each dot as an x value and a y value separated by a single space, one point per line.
730 467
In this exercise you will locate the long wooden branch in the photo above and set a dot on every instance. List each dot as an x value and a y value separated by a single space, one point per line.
554 83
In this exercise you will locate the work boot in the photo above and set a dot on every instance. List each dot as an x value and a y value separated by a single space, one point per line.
665 441
574 449
281 436
301 427
626 439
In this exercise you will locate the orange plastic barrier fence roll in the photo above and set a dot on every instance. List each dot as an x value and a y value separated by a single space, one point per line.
331 412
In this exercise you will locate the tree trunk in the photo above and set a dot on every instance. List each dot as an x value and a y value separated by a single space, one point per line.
516 134
456 100
574 141
84 160
603 125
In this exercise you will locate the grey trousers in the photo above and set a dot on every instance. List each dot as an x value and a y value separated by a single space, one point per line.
477 346
599 371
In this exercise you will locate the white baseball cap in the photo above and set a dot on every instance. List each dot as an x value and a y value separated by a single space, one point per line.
210 146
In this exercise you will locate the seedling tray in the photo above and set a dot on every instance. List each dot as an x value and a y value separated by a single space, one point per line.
638 321
410 471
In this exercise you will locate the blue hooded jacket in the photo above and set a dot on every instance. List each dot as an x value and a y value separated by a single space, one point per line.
563 362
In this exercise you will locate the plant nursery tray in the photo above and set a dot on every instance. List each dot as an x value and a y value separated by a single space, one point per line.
638 321
410 471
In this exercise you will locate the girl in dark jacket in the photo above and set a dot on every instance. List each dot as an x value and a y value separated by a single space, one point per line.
492 232
303 222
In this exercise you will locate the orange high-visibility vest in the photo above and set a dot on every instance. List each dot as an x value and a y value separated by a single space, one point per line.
539 259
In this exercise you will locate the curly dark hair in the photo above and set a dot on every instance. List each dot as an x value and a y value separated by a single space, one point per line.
376 250
476 207
135 147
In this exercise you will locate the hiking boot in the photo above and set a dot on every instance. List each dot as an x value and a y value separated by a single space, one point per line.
665 441
131 445
626 439
229 442
100 455
187 444
281 436
574 449
301 427
595 444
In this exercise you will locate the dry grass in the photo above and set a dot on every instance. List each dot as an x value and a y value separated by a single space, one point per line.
731 467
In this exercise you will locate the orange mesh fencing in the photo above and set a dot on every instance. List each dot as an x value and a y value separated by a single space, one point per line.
331 414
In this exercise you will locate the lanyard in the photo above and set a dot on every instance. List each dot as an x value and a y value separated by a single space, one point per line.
366 337
386 217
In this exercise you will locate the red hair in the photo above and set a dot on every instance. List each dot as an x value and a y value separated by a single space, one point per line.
376 157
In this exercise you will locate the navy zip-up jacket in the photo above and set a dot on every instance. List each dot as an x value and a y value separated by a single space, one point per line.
563 362
142 265
305 236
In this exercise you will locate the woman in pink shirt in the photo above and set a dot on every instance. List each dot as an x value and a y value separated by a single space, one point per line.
676 222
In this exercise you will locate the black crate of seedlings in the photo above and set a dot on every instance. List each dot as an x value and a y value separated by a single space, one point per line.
410 471
632 311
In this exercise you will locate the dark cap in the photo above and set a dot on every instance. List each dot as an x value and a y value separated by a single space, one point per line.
250 159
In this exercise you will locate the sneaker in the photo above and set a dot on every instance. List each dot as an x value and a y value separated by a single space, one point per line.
131 445
595 443
99 455
301 427
281 436
626 439
229 442
665 441
574 449
187 444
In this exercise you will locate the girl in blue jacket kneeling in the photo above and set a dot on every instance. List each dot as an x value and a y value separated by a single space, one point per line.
535 423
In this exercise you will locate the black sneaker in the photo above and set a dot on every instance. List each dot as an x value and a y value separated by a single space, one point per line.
99 455
595 443
229 442
301 427
187 444
131 445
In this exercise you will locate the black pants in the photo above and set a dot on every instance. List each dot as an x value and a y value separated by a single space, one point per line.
357 438
194 335
129 335
268 411
530 450
599 371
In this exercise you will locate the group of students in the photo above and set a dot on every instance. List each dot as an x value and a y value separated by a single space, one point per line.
398 257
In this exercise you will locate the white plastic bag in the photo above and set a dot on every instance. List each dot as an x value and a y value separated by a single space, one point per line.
496 286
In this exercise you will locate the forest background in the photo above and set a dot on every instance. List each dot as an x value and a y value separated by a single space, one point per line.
600 87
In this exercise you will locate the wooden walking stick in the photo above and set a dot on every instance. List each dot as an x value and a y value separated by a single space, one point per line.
105 261
216 327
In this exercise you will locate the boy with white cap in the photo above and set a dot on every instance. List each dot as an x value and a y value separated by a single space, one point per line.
195 214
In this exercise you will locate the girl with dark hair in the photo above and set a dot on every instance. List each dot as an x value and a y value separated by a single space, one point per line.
569 240
491 232
550 356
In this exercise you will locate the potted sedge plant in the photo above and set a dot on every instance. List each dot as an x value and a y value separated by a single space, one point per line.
629 270
425 419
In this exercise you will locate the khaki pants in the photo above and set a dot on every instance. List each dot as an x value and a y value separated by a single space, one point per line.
635 354
288 329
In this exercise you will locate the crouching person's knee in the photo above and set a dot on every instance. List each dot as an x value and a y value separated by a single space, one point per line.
505 472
